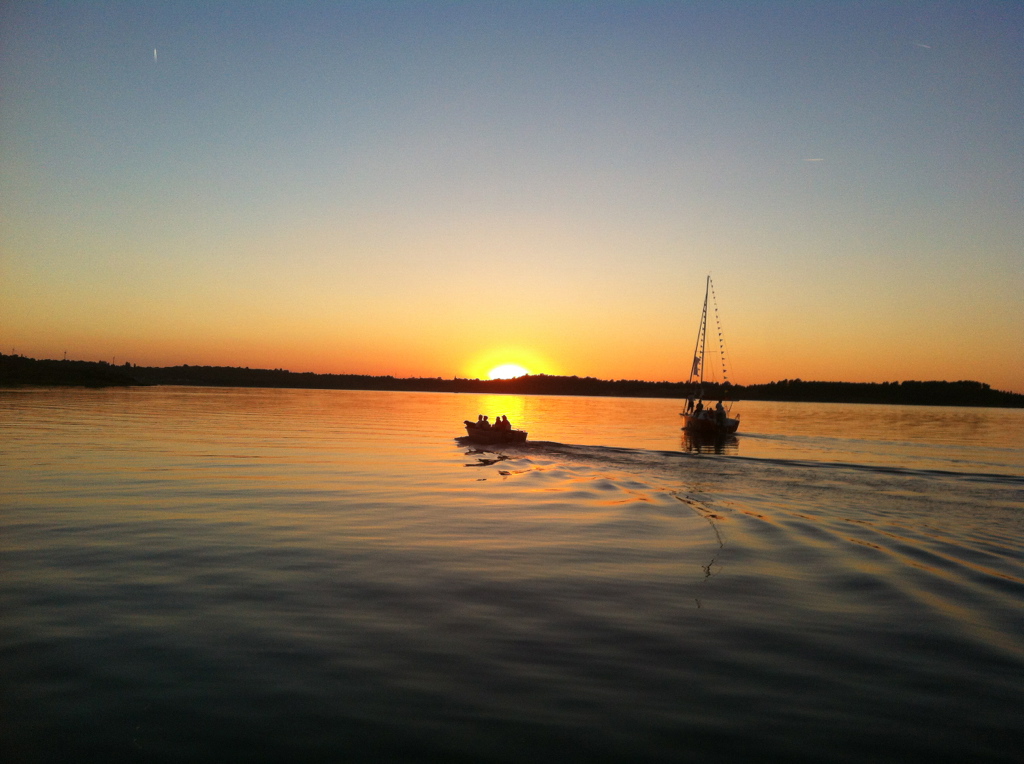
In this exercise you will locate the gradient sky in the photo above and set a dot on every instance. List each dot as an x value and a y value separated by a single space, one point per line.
435 188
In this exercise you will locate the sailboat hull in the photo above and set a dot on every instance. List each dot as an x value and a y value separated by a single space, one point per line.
709 425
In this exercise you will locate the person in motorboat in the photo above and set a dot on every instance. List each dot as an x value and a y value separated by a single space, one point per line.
500 431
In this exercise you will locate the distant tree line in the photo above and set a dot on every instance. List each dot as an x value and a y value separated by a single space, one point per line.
962 393
18 370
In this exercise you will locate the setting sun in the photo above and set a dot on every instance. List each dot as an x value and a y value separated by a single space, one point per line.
507 371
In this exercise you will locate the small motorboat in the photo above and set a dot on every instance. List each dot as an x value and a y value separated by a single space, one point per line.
493 435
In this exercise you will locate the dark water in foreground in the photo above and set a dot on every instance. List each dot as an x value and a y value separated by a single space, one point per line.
211 575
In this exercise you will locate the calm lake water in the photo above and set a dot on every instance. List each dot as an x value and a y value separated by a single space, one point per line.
219 575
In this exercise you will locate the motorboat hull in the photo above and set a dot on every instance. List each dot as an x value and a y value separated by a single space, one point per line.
491 436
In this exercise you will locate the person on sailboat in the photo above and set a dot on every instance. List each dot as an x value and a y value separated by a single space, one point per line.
720 413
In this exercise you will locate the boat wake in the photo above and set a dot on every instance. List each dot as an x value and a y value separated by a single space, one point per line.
622 457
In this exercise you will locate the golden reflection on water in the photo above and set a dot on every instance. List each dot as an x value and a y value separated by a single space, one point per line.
345 544
709 444
512 406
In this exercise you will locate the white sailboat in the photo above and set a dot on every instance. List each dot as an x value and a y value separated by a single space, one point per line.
699 418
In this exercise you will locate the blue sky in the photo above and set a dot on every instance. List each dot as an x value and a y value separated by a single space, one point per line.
406 187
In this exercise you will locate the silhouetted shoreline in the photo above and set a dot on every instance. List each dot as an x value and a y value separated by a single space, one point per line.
18 370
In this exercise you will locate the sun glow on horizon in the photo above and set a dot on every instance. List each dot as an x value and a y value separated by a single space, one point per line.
507 371
508 361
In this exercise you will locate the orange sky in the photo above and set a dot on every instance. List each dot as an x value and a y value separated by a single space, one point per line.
437 190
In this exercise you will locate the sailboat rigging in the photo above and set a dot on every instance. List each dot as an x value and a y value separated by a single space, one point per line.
697 418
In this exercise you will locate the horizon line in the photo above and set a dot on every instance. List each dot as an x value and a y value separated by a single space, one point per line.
512 379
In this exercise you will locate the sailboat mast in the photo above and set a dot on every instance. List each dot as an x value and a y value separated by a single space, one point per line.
698 349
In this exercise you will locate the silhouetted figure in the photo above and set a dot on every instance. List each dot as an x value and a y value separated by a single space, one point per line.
484 425
700 408
720 413
689 404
